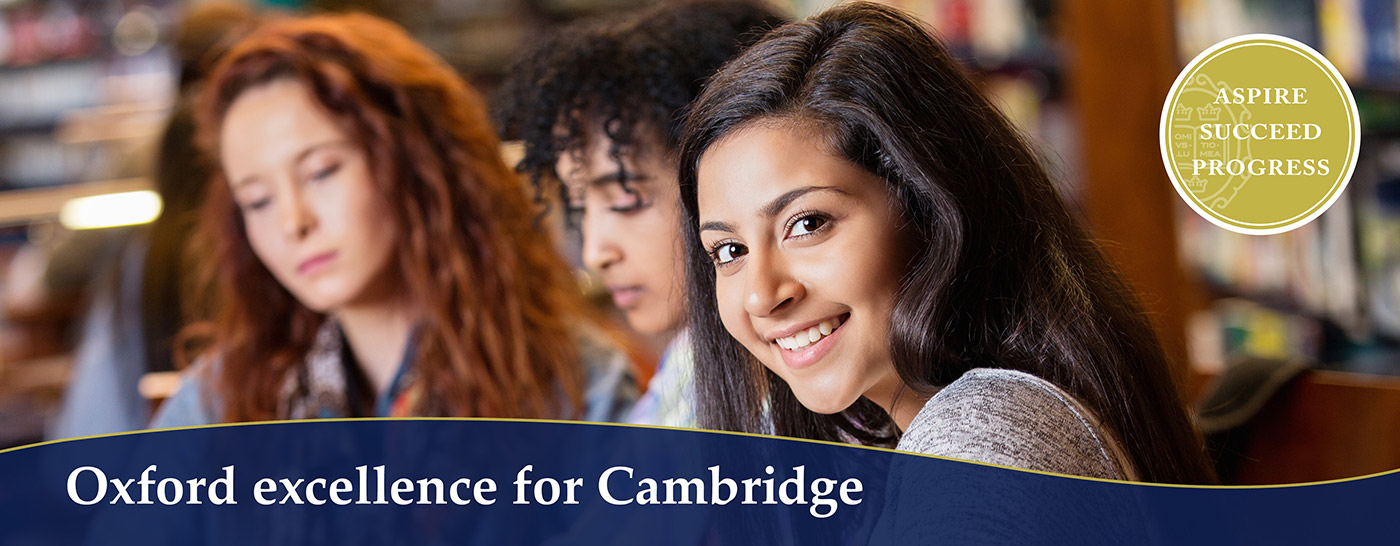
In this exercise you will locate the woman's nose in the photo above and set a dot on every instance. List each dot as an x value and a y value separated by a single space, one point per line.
770 288
295 216
600 248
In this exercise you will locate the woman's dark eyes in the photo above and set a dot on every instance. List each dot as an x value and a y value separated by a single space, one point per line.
724 253
807 225
802 225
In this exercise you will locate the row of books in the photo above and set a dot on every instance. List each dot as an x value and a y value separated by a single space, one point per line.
61 58
1339 274
1359 37
988 33
1327 293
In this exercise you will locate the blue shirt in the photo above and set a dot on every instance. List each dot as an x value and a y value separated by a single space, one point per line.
670 397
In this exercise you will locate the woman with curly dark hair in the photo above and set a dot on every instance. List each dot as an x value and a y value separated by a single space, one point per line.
597 106
877 255
373 255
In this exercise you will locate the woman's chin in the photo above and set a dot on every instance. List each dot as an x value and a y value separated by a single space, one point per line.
331 295
644 327
825 405
650 322
320 302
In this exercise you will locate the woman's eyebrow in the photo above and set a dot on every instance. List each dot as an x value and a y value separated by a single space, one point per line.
717 226
773 207
245 181
297 159
777 205
319 145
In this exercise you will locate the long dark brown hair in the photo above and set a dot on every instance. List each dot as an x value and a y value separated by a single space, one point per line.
495 299
1003 276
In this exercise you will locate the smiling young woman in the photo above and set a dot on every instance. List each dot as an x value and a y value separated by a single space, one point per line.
812 231
372 253
876 255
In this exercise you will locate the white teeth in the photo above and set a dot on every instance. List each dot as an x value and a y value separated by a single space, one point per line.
809 336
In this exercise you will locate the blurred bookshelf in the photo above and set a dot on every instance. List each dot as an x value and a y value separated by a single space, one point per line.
74 69
85 88
1327 294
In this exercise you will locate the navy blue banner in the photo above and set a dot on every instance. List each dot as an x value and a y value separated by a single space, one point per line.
521 482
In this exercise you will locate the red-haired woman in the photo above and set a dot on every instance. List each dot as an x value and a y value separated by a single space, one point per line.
372 253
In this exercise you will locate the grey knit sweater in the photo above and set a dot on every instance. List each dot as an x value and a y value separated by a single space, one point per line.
1015 419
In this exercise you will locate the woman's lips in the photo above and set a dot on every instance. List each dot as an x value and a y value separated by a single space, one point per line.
315 263
626 297
803 357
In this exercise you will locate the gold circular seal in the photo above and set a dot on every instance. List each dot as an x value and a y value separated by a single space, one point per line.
1260 134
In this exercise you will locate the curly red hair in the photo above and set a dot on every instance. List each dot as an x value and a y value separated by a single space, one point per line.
497 301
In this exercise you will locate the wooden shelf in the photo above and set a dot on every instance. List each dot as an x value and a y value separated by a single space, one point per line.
1127 197
47 374
1324 425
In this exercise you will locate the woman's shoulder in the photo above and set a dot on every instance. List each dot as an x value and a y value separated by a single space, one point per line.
194 402
1016 419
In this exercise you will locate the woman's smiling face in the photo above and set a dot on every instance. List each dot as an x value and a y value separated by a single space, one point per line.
808 257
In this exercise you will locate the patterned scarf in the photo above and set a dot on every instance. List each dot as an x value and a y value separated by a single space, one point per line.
319 388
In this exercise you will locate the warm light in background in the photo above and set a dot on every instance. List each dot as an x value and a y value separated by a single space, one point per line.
110 210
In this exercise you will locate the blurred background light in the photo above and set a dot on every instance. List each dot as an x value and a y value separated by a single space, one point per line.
110 210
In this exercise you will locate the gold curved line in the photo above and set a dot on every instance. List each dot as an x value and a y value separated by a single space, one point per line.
721 432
